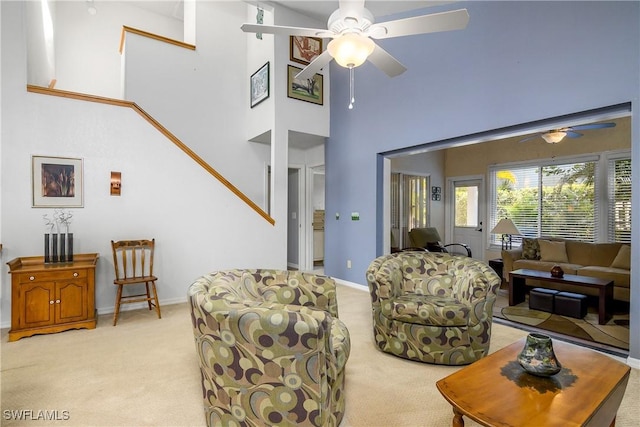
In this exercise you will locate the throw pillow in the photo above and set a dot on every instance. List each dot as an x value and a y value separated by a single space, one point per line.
553 251
530 248
623 259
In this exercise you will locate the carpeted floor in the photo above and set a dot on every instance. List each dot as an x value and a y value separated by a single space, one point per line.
613 335
144 372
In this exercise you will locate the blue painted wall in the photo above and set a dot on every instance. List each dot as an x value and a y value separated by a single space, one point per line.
515 62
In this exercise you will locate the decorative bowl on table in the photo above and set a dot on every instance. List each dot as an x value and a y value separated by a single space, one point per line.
557 271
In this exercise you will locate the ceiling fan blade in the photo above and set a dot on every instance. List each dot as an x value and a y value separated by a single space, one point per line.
351 9
387 63
572 134
285 31
593 126
444 21
529 138
316 65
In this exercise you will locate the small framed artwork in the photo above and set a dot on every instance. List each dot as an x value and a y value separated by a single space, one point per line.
310 90
260 85
304 49
436 193
56 182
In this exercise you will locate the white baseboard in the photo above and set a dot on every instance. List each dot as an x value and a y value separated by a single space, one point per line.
138 305
354 285
634 363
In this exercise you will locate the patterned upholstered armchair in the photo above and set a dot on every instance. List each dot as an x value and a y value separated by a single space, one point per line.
272 349
432 307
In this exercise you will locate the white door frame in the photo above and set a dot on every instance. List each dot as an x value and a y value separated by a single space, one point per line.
482 209
308 226
302 217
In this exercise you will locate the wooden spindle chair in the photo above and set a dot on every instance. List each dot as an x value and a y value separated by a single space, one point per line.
133 262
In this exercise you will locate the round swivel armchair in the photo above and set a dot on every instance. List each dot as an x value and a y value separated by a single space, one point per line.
272 349
432 307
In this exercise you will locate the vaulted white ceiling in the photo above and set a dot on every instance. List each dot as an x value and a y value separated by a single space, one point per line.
318 9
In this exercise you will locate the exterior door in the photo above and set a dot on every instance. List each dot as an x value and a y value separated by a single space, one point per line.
467 217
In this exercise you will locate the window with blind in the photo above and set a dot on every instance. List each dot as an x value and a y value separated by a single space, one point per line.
619 179
409 206
563 199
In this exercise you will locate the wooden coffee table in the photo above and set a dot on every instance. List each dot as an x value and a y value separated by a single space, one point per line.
517 282
496 391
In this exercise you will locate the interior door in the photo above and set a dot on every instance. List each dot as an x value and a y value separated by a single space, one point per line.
467 214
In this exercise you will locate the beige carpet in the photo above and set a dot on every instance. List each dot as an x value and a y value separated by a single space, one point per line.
144 372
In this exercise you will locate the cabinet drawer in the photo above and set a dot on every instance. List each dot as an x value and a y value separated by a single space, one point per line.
52 275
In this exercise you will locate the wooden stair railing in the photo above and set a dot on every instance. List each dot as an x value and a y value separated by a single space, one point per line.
143 33
162 129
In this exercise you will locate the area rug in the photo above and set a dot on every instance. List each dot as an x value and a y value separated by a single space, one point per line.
613 334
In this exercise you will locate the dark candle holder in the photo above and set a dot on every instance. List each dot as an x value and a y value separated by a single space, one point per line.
47 248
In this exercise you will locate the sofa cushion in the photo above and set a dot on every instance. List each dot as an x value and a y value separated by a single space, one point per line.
553 251
623 259
530 248
428 310
621 277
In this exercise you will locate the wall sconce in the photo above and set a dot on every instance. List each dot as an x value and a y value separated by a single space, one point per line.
91 8
115 183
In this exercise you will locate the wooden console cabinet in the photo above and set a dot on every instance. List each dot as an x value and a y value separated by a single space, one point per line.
48 298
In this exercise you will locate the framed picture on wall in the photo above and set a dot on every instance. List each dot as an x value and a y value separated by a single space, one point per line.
260 85
56 182
310 90
304 49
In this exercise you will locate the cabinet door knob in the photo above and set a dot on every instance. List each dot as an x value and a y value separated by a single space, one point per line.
31 278
51 302
57 301
75 274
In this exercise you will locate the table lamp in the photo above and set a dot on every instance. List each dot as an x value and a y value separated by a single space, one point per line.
507 228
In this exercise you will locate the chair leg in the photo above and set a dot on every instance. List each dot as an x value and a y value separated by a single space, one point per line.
117 310
155 297
146 284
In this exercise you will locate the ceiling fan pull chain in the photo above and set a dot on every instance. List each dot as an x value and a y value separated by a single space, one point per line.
352 97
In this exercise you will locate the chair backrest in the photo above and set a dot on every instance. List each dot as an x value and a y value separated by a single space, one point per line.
421 236
133 258
430 273
273 286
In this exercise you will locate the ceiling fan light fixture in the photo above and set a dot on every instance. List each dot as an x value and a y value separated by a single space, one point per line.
554 137
351 50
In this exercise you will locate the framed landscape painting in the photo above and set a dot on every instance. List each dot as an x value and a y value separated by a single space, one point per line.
56 182
260 85
310 90
304 49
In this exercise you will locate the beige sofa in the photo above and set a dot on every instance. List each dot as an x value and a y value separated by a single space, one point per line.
603 260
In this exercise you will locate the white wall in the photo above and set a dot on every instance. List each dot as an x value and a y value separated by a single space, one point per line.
199 225
202 96
87 46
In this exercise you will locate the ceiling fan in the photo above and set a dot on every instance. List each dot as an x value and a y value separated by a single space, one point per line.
556 135
351 28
